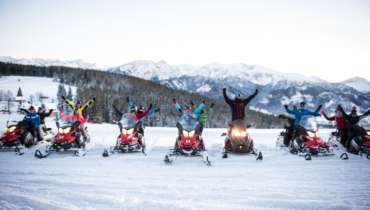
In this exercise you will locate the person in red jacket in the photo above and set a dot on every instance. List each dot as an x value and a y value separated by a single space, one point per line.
341 124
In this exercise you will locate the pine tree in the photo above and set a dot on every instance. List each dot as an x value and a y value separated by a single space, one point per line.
70 94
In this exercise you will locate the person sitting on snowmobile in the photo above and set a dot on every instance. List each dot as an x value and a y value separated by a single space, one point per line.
300 115
187 109
79 112
33 122
238 105
139 114
340 123
204 114
352 120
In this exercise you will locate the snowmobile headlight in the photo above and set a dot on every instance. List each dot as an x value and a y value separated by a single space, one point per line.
312 134
60 130
185 133
239 133
130 131
191 133
10 129
64 131
368 133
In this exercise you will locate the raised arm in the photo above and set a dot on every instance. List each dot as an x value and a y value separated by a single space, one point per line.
69 102
326 116
129 103
288 110
24 110
227 99
345 115
87 104
247 100
199 109
177 105
117 111
365 114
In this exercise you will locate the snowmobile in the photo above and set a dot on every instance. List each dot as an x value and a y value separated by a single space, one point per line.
190 142
360 144
68 139
238 140
16 137
130 139
309 143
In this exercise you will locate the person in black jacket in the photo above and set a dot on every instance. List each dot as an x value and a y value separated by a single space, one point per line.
43 114
352 120
238 105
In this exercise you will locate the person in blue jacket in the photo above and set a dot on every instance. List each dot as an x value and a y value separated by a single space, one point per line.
300 114
187 109
33 121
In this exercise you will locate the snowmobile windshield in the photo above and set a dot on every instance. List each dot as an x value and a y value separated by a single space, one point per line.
188 121
65 123
310 124
128 120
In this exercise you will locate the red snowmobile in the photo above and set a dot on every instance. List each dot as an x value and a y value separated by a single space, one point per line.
309 143
16 136
190 142
68 138
130 139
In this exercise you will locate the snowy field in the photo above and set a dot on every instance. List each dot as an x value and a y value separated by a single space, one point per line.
135 181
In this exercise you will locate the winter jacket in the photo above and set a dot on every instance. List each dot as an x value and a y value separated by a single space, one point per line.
300 113
204 114
196 112
340 121
82 108
352 120
238 105
43 115
33 118
139 115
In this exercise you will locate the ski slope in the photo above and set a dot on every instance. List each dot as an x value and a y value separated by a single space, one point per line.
135 181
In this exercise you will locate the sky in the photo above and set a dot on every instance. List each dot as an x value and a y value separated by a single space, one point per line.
329 39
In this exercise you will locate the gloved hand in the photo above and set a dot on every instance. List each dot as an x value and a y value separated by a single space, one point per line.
64 98
212 105
286 106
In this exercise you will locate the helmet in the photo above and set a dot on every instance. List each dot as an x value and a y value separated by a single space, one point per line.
32 108
141 109
133 109
78 102
354 109
302 103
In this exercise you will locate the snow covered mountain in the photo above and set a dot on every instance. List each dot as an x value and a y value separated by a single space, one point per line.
49 62
276 88
358 83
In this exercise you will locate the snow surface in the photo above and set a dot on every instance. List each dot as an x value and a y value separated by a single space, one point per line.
135 181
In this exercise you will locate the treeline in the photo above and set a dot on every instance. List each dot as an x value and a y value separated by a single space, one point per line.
110 88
